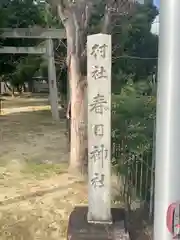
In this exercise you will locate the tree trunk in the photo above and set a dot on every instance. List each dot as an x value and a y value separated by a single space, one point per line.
75 18
30 86
24 87
53 91
19 89
13 91
78 154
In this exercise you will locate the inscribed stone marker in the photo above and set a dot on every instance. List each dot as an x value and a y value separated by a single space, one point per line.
99 127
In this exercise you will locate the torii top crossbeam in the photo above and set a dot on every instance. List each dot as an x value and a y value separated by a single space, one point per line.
35 32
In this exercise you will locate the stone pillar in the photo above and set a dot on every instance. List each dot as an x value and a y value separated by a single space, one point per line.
99 127
53 91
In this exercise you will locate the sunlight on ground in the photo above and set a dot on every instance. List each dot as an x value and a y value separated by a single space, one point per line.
37 193
11 105
6 111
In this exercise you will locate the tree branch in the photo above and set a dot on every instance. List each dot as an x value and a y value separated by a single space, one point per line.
86 15
61 11
119 7
77 34
110 4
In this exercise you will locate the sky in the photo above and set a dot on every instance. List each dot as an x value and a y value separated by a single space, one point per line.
156 3
155 24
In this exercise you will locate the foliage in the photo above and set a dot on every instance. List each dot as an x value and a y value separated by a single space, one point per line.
133 99
25 70
133 116
22 14
135 53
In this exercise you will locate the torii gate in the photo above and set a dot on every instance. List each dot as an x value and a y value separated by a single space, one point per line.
38 33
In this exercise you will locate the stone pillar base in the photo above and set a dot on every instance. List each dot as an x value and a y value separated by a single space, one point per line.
80 229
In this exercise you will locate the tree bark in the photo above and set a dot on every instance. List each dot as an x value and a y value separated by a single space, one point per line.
75 19
78 150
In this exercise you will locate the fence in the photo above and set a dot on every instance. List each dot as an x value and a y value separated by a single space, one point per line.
138 173
133 117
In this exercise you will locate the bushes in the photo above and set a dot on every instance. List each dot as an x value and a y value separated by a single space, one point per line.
133 113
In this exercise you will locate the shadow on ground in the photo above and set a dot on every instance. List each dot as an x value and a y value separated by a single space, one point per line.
140 226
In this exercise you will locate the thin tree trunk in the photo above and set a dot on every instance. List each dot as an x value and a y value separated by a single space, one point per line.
19 89
24 87
30 86
13 91
53 91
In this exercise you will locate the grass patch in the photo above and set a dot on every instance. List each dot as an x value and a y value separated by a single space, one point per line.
43 170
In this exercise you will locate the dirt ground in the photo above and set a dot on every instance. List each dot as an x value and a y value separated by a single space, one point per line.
37 193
